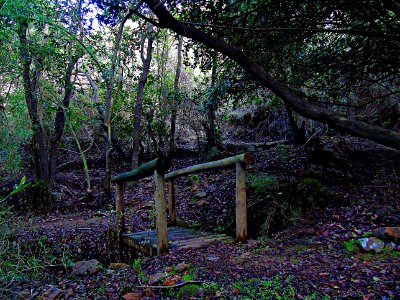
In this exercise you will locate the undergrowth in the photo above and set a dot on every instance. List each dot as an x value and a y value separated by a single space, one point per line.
20 260
277 204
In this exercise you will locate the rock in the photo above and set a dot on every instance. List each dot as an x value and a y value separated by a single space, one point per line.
86 267
157 277
181 267
200 194
388 233
201 203
52 293
119 266
372 244
132 296
212 258
25 294
246 255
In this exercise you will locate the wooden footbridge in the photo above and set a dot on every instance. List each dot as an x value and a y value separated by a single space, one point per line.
160 240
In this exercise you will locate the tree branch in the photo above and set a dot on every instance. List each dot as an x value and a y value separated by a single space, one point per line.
355 32
298 103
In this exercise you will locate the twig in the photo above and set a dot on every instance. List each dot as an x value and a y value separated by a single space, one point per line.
168 287
315 133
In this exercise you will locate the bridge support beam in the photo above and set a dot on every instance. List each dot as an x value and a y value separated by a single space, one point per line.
241 205
161 213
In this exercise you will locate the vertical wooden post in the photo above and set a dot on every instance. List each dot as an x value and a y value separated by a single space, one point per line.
161 221
119 207
241 205
171 201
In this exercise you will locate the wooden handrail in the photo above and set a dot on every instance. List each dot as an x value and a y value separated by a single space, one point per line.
158 167
161 164
241 203
218 164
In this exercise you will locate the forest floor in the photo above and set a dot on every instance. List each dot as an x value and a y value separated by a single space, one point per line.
343 190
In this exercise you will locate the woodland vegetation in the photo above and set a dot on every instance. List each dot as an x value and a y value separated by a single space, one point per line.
90 89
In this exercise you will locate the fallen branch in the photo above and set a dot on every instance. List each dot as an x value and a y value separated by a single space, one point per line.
169 286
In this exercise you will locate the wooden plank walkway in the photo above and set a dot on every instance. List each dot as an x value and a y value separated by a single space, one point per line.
178 238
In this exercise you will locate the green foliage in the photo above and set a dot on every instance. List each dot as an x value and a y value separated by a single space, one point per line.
210 287
274 288
193 178
137 266
14 132
262 183
17 188
352 246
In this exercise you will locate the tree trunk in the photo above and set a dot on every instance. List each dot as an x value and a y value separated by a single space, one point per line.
163 96
211 107
109 79
298 103
139 98
40 147
299 133
114 139
59 123
175 102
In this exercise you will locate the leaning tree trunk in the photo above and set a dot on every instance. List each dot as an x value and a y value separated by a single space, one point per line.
296 101
175 102
139 98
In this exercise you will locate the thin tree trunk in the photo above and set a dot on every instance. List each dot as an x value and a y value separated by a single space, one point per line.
115 141
60 119
175 102
211 106
89 191
109 102
163 96
139 97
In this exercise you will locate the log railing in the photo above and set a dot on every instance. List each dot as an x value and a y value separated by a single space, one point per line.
158 167
241 207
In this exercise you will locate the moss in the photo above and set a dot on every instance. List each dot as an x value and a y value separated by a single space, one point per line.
188 291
